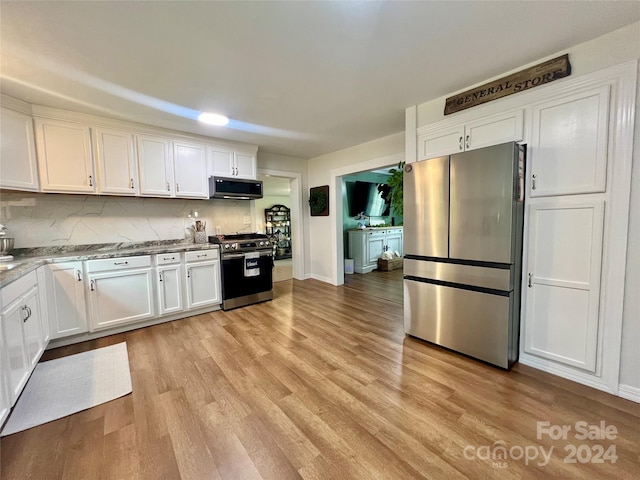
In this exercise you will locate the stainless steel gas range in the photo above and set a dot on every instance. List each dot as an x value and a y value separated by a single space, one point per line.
247 268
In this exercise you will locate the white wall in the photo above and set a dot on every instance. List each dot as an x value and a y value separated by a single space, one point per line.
611 49
38 219
322 241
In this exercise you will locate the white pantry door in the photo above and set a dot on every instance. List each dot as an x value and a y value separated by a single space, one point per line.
565 251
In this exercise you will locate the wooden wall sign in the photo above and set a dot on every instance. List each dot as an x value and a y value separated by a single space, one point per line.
523 80
319 201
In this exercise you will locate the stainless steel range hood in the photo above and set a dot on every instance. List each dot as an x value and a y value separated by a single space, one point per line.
234 188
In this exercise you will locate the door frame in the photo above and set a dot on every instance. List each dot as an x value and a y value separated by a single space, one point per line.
336 181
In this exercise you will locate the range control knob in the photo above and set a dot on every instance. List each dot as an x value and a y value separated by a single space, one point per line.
262 244
234 246
226 246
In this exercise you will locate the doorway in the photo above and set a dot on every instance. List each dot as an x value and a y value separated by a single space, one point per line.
282 190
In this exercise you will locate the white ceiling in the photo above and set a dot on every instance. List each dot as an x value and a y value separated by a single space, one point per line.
297 78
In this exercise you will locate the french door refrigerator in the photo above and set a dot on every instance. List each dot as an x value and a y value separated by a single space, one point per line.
463 217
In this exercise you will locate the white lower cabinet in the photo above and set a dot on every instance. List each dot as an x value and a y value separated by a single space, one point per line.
169 283
120 291
5 402
21 341
366 246
65 299
202 278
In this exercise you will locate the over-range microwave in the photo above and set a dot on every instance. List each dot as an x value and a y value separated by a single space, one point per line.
234 188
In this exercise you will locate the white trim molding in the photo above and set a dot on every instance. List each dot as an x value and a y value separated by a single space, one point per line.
629 392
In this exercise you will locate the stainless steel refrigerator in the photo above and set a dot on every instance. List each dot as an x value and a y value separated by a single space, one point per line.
463 218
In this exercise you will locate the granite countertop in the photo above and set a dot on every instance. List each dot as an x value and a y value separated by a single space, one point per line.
29 259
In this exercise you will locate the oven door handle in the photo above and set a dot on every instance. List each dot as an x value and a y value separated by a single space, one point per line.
229 256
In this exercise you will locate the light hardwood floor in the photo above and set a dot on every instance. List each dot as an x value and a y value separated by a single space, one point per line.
319 383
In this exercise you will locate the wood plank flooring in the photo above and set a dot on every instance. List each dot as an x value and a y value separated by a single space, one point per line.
320 383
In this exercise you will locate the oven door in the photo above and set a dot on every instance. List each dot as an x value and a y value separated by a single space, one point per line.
236 284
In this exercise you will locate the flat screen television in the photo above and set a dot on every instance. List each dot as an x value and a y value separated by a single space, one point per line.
368 198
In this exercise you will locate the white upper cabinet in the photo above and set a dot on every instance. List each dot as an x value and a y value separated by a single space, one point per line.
190 167
441 141
156 166
64 156
569 144
222 161
116 162
246 166
18 166
438 140
227 163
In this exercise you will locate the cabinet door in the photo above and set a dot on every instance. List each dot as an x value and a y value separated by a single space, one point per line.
494 130
190 167
18 170
65 299
116 161
120 297
246 166
442 141
569 144
32 327
222 162
203 284
375 247
170 289
5 402
562 301
156 166
394 241
17 364
64 156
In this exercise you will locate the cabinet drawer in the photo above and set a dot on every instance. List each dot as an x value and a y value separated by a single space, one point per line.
167 258
200 255
118 263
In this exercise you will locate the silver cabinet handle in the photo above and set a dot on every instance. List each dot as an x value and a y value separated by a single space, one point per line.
204 255
460 144
90 181
92 285
189 273
132 184
530 280
121 263
160 275
27 313
78 275
533 181
467 142
168 187
168 258
177 187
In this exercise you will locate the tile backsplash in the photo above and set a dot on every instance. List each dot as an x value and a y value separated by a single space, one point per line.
37 219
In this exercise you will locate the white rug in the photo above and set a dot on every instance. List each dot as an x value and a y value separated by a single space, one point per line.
71 384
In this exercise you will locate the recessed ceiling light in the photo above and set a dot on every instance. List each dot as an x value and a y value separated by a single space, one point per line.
213 119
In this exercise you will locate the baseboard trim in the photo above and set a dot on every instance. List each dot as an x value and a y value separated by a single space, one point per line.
320 278
630 393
